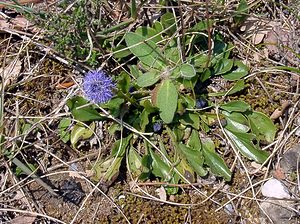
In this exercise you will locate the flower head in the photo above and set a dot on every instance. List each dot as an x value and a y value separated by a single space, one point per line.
98 87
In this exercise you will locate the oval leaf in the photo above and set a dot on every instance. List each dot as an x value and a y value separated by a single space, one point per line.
194 158
160 168
262 126
81 132
216 164
223 66
166 100
237 106
187 71
147 51
148 79
236 122
243 142
239 70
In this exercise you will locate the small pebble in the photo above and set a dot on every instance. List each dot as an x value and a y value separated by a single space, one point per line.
275 189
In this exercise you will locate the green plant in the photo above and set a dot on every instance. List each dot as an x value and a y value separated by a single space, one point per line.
162 94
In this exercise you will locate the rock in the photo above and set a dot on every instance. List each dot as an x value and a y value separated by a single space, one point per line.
278 211
289 160
275 189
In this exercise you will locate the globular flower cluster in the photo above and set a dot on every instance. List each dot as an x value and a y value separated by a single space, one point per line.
98 86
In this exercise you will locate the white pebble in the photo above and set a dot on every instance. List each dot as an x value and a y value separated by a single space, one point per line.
275 189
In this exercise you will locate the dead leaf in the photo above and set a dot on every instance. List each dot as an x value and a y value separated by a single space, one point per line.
161 192
64 85
279 173
11 72
279 111
24 219
21 2
258 38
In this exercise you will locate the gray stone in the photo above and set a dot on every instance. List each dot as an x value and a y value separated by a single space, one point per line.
278 211
289 160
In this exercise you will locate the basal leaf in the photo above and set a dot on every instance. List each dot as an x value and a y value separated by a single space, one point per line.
223 66
147 51
239 71
168 21
88 113
166 100
190 119
108 170
120 146
194 157
262 126
216 164
80 132
148 79
64 134
238 86
187 71
135 162
236 122
118 51
241 12
243 142
194 140
160 168
236 106
148 32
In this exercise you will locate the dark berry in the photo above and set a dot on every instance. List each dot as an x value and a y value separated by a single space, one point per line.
201 103
157 127
131 89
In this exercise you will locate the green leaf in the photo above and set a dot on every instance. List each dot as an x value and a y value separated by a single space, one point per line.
135 162
147 51
144 119
118 51
114 106
167 21
80 132
187 71
236 106
124 82
223 66
243 142
262 126
120 146
148 79
135 71
88 113
216 164
187 170
242 9
239 71
236 122
172 53
148 32
166 101
64 134
160 168
202 26
194 157
239 85
194 140
200 60
108 170
190 119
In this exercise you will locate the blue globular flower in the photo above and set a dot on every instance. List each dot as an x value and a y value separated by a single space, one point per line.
98 86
